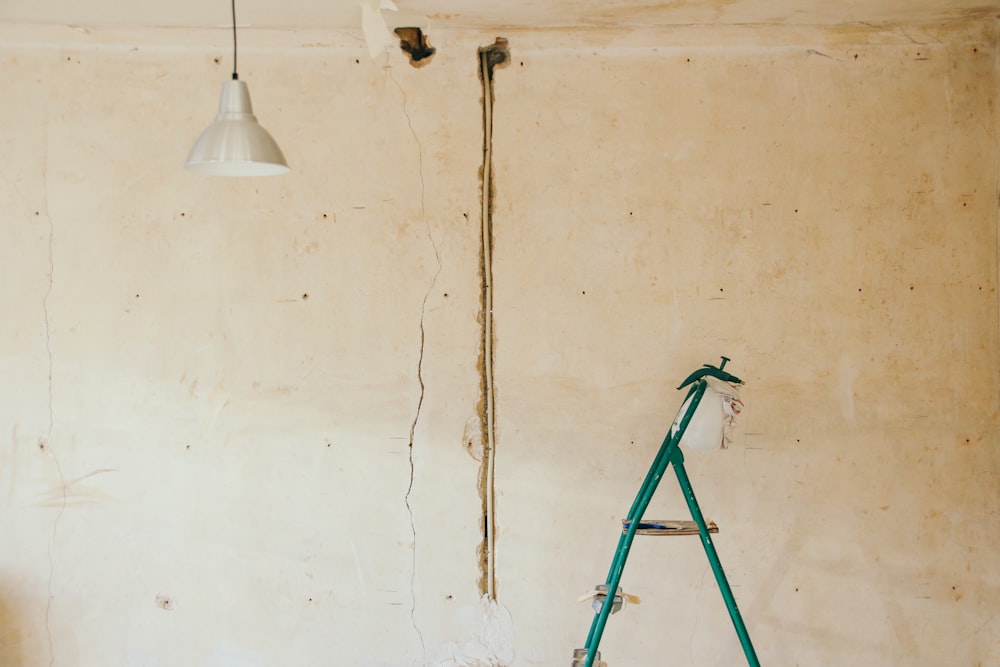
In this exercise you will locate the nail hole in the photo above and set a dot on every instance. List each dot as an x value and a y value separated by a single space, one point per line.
305 297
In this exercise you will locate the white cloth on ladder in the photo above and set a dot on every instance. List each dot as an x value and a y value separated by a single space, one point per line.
710 426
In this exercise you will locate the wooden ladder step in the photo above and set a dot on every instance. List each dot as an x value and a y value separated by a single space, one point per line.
663 528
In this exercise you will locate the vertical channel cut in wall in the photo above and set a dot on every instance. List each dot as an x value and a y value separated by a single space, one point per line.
996 160
489 58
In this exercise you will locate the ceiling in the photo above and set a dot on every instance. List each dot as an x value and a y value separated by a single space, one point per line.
346 14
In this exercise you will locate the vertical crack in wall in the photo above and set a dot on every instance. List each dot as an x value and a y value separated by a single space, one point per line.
420 370
46 444
490 57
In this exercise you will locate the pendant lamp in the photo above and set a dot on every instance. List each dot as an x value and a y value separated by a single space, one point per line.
235 144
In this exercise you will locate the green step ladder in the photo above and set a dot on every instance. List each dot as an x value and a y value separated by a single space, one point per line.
669 453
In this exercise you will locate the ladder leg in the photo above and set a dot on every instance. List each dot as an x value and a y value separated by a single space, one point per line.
624 545
639 505
677 459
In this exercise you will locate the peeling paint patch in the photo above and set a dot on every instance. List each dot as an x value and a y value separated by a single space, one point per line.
490 630
472 439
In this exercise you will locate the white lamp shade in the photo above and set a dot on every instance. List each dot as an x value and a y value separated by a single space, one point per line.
235 144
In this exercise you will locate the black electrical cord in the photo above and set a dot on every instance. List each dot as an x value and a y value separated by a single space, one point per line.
235 76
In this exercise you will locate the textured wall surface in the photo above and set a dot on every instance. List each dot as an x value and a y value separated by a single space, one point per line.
235 414
821 208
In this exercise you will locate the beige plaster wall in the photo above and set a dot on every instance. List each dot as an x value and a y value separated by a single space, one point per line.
234 411
821 208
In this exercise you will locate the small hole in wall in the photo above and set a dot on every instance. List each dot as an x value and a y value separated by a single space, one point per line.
357 62
584 292
449 597
305 297
446 295
217 60
187 447
522 63
41 445
859 289
37 213
413 43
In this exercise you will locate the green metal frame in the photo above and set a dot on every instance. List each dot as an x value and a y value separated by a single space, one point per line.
668 454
